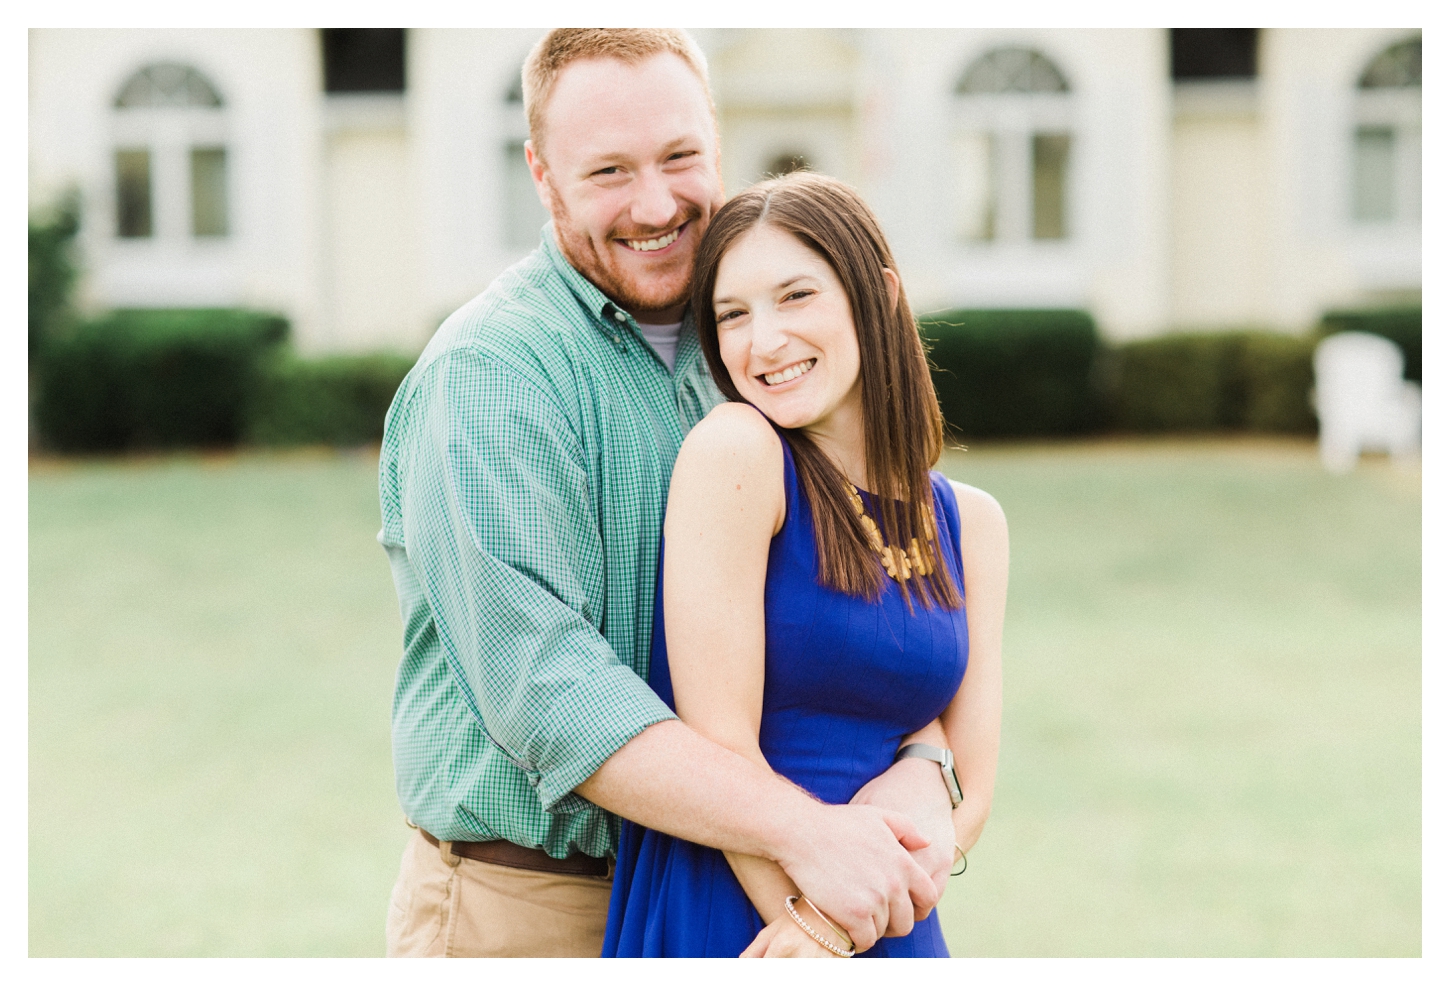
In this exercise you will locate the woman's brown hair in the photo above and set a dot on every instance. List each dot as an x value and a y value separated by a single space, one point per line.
902 423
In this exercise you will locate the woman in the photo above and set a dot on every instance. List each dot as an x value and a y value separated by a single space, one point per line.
791 626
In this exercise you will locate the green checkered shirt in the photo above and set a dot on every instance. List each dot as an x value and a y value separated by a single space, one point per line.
525 464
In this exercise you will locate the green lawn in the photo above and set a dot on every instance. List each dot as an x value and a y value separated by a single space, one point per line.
1211 746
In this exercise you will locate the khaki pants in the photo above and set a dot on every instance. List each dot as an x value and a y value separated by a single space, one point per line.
444 905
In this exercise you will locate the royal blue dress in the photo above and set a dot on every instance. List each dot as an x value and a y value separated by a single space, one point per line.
845 681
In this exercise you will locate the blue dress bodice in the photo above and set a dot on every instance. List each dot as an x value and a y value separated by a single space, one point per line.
846 679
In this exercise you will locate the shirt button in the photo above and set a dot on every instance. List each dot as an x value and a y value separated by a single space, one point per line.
620 316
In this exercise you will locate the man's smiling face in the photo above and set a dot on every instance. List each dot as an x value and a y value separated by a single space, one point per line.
629 169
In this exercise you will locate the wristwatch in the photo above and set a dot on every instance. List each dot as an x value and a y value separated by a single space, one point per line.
939 756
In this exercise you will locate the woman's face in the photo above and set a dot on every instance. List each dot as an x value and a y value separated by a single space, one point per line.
786 333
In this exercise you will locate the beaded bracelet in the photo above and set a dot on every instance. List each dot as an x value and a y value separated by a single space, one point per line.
829 946
850 945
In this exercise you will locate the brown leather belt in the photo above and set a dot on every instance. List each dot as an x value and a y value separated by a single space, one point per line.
502 852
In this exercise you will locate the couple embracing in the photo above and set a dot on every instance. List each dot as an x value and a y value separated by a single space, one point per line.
687 615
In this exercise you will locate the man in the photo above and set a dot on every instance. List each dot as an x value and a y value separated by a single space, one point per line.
523 478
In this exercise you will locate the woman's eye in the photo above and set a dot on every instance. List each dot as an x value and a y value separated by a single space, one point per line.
798 294
727 316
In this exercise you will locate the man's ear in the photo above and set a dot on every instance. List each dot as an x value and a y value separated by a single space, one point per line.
536 171
893 285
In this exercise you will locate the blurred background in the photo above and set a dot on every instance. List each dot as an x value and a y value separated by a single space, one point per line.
1125 247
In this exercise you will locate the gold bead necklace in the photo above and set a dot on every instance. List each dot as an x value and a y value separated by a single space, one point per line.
895 560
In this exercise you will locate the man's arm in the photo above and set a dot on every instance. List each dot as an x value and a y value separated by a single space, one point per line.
851 860
501 534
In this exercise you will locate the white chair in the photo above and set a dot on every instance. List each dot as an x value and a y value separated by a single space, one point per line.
1364 404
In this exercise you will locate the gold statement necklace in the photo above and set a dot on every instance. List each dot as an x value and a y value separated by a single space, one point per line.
895 560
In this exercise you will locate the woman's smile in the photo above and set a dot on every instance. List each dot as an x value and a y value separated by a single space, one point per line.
793 372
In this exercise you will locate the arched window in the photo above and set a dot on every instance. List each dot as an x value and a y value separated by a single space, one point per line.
524 214
1011 70
171 156
1387 137
1011 148
168 84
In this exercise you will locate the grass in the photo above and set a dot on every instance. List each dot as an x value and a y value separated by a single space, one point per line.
1212 717
212 648
1211 743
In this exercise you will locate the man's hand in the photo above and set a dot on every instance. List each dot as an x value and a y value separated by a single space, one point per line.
784 939
854 863
914 788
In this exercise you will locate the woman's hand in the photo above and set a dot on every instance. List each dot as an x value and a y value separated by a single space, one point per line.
784 939
914 787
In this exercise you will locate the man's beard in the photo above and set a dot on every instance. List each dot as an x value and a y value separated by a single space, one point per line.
634 292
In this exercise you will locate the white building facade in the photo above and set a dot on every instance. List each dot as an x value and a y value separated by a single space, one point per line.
365 191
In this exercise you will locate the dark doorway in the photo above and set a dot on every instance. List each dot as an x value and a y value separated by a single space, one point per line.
1215 53
362 59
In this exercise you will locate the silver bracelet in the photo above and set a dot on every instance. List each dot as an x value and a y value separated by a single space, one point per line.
831 947
958 849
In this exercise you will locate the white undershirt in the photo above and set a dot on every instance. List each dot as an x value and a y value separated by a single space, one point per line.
664 338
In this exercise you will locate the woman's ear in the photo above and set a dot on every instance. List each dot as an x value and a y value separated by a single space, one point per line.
893 285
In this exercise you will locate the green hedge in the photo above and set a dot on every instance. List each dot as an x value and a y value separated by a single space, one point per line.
1258 381
153 378
1400 325
52 270
204 377
335 400
1003 373
213 377
1278 373
1045 372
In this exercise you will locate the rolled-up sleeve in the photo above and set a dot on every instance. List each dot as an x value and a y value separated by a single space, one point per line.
502 530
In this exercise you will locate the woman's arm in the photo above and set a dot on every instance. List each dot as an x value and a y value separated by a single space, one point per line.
914 786
973 720
726 502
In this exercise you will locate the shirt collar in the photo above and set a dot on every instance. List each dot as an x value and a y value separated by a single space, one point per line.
584 289
589 295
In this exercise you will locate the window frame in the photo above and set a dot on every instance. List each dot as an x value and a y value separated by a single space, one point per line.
170 132
1011 120
1398 109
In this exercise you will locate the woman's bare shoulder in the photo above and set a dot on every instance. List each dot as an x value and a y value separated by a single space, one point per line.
981 514
730 471
738 433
